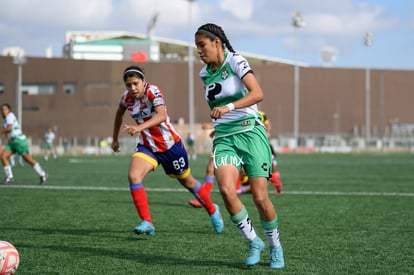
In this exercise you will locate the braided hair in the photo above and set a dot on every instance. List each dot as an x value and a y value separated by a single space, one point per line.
213 31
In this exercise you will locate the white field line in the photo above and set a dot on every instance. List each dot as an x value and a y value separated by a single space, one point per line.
101 188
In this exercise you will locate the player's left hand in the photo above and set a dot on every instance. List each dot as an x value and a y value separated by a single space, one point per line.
218 112
130 129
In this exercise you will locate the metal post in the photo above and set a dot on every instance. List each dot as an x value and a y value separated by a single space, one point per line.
368 43
382 125
190 72
19 94
150 29
367 104
19 61
297 22
296 102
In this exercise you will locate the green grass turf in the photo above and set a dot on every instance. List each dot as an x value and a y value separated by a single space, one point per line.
338 214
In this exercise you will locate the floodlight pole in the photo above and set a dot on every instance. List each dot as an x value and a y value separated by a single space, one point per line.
368 43
297 22
190 72
151 24
150 28
19 61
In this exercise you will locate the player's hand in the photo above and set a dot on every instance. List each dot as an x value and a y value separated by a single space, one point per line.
207 126
115 146
218 112
130 129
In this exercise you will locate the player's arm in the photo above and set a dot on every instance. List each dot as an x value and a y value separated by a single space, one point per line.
8 128
159 117
207 126
254 96
117 126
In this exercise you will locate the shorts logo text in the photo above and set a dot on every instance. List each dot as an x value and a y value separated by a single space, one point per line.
224 160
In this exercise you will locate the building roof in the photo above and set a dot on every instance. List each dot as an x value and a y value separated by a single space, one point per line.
168 49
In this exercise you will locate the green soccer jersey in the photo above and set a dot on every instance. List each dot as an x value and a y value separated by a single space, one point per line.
16 132
224 86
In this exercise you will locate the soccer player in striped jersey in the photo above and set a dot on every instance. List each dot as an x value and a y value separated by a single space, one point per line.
209 176
158 143
232 92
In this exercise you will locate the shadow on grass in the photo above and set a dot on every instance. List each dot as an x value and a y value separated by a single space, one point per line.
135 256
107 232
53 231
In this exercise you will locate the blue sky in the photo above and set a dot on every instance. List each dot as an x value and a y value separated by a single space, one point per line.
254 26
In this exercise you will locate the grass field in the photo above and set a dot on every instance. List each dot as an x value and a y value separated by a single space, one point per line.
339 214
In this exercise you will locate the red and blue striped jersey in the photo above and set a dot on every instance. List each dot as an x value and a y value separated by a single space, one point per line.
158 138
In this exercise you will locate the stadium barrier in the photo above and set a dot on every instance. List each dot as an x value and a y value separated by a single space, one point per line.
395 141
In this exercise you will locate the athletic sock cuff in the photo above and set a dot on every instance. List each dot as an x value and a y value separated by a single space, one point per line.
267 226
196 188
135 186
239 216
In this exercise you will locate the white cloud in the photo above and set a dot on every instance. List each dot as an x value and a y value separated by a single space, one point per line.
241 9
51 13
340 23
259 26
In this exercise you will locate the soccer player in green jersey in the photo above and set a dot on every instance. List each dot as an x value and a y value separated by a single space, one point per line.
232 92
17 144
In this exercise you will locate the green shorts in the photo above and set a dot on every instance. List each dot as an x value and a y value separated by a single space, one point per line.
48 146
250 150
19 146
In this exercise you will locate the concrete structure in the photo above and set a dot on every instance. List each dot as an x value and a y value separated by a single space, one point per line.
80 96
118 45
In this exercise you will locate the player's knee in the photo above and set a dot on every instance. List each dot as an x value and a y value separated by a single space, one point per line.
134 177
